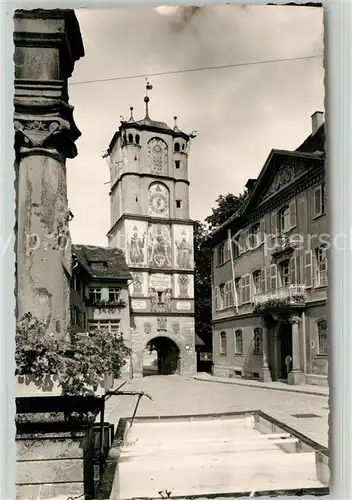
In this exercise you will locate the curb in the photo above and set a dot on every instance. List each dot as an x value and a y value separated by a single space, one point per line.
262 386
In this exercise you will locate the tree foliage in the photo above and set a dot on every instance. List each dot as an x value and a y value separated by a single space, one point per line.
226 206
78 365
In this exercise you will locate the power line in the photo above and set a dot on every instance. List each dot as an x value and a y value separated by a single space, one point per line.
205 68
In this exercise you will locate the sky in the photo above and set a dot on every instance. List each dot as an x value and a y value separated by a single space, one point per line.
240 113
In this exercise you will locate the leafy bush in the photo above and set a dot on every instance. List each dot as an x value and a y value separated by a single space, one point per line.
78 365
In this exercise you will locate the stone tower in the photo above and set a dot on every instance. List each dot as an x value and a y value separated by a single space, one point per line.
149 200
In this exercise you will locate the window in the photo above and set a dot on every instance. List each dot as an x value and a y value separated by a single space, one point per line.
177 147
284 219
258 341
238 342
161 297
222 296
319 201
94 294
130 138
228 294
257 280
322 267
110 326
223 343
137 139
285 273
177 164
178 203
322 338
246 288
238 290
221 255
217 299
114 294
254 236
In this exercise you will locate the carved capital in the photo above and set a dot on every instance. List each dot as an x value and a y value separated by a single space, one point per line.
44 134
295 320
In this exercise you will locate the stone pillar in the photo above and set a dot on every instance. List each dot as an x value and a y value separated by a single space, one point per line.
265 371
47 44
295 377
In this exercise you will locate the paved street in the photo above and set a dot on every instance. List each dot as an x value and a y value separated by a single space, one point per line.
175 395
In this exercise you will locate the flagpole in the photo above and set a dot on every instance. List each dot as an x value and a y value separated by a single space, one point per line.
233 271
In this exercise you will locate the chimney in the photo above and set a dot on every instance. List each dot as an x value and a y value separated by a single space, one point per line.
250 185
317 121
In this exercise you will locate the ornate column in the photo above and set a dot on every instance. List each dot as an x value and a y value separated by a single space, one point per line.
47 44
295 377
265 371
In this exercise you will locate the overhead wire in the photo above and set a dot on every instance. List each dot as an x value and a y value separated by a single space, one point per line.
189 70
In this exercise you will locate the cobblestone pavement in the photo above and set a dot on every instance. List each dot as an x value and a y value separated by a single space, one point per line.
175 395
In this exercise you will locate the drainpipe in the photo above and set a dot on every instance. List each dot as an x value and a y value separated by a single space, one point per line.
304 343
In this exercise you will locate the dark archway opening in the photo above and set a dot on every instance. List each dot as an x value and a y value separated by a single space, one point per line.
161 357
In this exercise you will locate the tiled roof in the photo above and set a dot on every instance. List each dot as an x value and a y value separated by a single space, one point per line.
112 259
314 142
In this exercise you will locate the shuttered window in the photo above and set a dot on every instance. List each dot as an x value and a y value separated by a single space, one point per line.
217 299
293 214
321 267
318 201
246 283
308 269
273 277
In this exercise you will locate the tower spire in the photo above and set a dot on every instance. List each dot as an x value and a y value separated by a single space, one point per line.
148 86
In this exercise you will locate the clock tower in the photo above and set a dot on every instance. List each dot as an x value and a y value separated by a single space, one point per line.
149 200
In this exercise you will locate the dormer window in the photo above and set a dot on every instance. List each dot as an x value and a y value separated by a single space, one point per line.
177 147
100 264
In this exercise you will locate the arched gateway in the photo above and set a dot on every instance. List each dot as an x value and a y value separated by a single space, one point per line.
163 353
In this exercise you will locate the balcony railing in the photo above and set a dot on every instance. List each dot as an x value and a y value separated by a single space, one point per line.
292 294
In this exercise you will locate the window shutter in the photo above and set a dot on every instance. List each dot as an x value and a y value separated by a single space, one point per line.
262 231
308 269
263 280
274 228
217 291
317 201
298 270
273 277
230 294
251 289
267 279
293 271
293 214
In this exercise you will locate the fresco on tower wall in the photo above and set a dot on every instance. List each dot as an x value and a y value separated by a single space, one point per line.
184 286
159 246
136 236
139 284
183 247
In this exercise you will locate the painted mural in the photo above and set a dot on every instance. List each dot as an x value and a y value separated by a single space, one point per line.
158 200
184 286
136 243
139 284
183 247
158 156
160 292
159 246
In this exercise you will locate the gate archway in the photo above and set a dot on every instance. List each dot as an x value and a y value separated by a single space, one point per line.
161 356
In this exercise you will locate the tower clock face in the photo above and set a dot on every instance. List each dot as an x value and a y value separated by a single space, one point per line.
159 203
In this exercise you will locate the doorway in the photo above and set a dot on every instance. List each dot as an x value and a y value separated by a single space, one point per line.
161 357
285 350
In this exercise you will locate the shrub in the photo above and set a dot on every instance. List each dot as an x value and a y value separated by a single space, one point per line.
78 364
